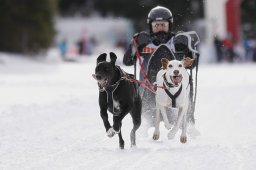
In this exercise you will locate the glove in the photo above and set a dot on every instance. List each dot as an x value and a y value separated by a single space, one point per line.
142 39
181 44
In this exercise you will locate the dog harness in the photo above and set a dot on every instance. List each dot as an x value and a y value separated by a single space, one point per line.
173 97
111 89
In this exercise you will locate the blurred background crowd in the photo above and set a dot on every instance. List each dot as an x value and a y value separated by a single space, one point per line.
80 28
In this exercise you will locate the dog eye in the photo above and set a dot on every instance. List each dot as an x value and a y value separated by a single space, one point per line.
180 65
170 66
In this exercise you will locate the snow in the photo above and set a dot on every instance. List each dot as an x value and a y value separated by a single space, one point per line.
74 28
49 119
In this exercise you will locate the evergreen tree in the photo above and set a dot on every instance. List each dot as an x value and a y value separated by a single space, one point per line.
27 26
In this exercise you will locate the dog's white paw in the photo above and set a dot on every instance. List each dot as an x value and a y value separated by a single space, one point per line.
111 132
156 135
168 126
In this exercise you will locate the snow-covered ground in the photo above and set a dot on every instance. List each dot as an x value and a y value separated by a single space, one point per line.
49 119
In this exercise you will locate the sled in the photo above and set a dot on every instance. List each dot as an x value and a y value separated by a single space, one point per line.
154 65
192 40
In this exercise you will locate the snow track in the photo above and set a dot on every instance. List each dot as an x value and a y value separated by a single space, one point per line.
49 119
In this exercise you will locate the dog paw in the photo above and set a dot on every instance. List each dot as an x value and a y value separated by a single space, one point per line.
121 145
111 132
156 135
183 139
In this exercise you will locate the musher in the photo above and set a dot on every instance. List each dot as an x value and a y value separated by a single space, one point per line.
143 46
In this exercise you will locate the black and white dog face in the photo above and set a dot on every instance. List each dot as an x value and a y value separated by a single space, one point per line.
104 70
174 72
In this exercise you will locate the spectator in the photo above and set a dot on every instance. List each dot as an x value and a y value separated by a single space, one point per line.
63 48
218 48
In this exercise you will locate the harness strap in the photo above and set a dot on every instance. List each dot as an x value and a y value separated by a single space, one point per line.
194 94
148 85
173 97
109 91
140 60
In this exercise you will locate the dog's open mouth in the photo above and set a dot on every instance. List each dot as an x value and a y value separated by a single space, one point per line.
176 79
102 83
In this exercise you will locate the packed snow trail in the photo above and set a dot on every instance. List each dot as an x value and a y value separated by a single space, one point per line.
49 119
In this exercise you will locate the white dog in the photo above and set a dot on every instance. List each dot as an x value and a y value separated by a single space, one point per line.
174 79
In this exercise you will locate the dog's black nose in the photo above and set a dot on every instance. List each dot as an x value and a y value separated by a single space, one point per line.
98 77
176 72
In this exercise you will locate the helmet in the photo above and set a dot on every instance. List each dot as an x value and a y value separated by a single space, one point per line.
159 13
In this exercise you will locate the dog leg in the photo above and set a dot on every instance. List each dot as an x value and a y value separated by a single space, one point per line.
183 137
133 135
136 119
156 134
165 118
111 132
116 127
104 116
117 123
121 140
175 129
136 125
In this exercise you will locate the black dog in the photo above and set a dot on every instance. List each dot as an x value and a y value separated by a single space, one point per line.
118 95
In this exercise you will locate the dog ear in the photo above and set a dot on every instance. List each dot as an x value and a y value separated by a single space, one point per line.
165 62
101 58
187 62
113 57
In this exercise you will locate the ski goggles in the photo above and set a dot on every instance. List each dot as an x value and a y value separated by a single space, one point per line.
160 23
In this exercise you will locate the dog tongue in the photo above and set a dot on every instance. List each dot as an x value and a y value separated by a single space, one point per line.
177 79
